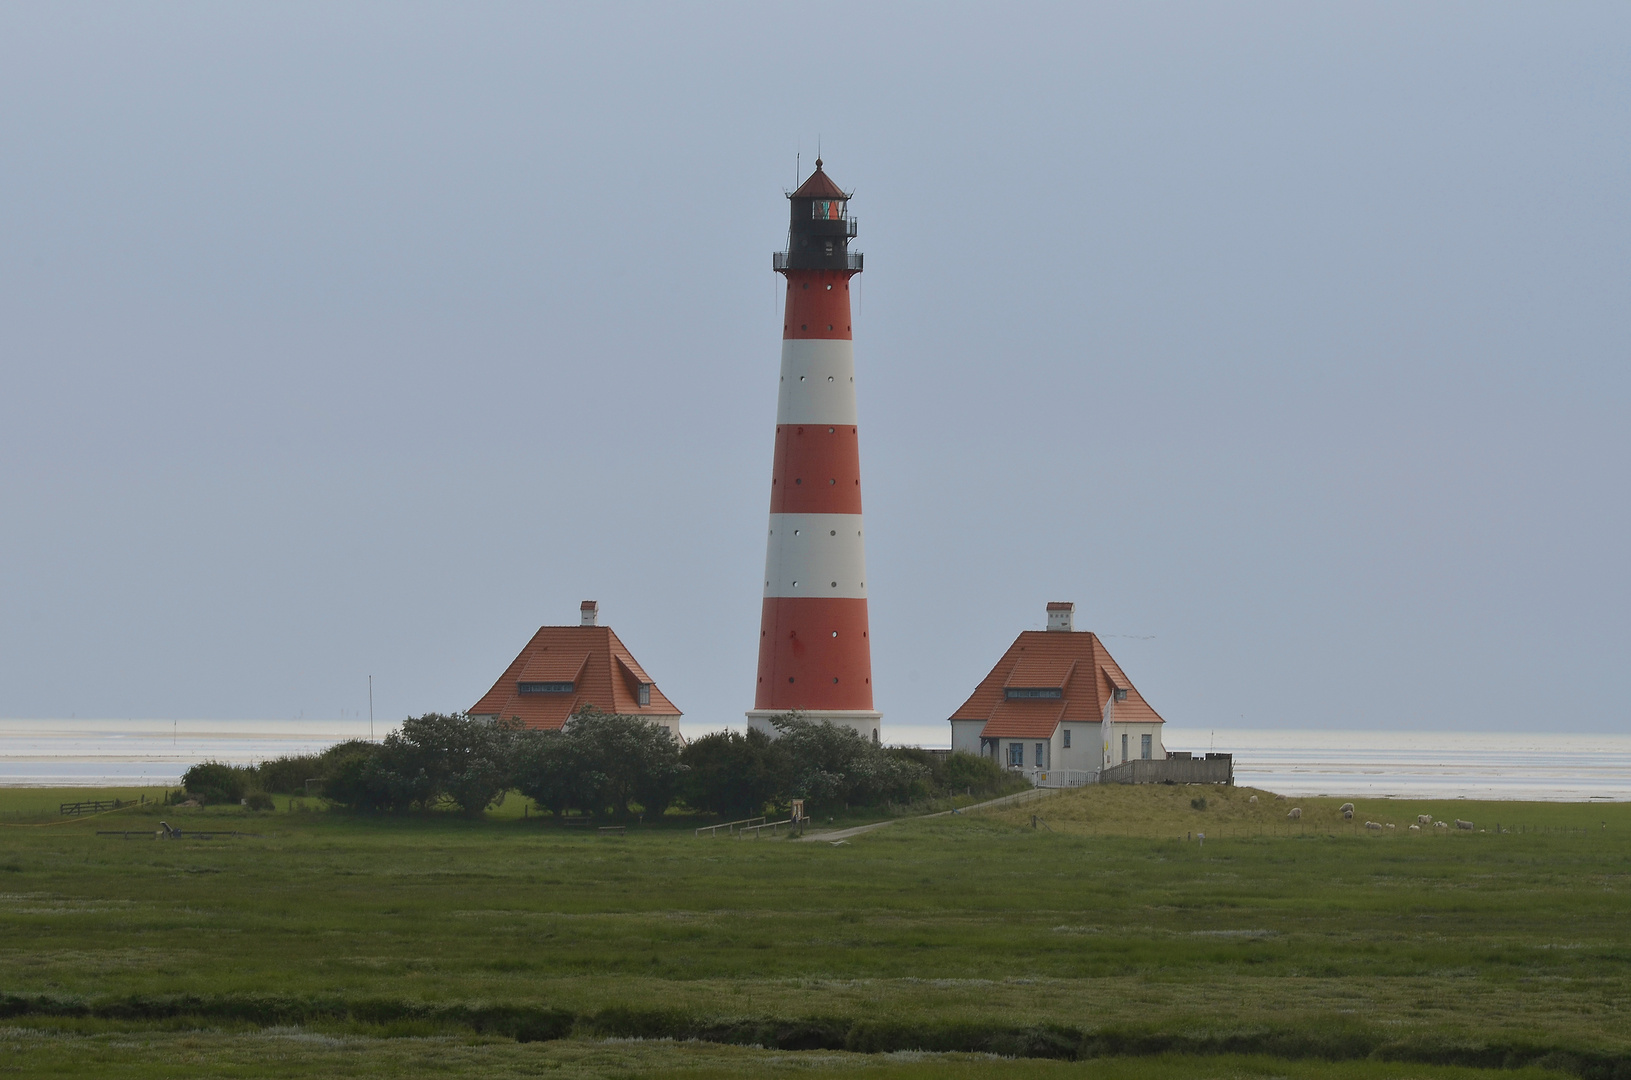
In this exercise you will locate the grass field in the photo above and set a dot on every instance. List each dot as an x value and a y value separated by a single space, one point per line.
336 945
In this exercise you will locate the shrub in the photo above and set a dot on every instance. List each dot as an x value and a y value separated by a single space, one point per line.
216 782
733 774
830 764
258 800
962 771
288 775
635 759
555 771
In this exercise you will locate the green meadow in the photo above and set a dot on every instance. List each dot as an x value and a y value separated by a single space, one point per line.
1086 933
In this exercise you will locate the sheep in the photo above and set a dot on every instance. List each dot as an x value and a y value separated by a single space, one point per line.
1296 813
1424 819
1348 814
1346 808
1463 824
1415 828
1390 825
1279 798
1440 825
1373 825
1252 799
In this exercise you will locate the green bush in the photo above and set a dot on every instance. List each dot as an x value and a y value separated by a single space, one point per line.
258 800
216 782
599 762
734 775
961 771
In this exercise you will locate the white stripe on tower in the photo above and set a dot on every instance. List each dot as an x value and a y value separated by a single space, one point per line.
818 382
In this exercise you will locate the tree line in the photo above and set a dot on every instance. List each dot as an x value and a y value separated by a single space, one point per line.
604 764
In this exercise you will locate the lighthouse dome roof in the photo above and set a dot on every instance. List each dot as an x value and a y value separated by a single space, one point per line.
819 186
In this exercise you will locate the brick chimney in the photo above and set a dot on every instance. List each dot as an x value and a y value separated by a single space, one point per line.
589 613
1061 616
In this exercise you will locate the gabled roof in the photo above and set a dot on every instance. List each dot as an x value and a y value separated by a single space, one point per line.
602 671
819 186
1076 664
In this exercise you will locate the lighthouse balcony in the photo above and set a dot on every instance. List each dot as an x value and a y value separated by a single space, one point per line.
843 260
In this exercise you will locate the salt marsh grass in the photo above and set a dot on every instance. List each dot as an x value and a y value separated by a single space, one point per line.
417 944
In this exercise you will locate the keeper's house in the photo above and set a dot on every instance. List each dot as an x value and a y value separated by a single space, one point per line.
564 668
1043 706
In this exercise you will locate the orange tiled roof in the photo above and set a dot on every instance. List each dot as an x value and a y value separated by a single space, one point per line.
601 669
1076 664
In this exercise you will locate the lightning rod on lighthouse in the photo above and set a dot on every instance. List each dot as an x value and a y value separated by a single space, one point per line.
815 655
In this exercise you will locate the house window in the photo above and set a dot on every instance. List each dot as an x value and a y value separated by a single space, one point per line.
1015 693
1041 757
1124 746
1145 749
1067 738
1016 755
644 697
545 687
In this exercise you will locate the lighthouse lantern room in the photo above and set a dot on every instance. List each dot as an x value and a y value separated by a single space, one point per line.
815 655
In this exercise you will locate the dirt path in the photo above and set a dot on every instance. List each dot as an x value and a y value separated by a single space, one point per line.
836 835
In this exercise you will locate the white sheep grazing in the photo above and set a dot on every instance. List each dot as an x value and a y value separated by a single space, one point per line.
1279 798
1440 825
1463 824
1391 825
1424 819
1348 815
1346 808
1252 799
1373 825
1296 813
1415 828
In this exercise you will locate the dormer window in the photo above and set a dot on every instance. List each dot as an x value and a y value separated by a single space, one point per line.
545 687
1018 693
643 695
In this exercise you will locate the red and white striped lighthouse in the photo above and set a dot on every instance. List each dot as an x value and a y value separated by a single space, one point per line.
814 653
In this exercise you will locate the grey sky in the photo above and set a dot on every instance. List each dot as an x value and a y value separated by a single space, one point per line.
1289 341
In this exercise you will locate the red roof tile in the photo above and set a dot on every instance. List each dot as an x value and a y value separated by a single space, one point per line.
601 669
560 666
1090 676
1024 719
819 186
1041 672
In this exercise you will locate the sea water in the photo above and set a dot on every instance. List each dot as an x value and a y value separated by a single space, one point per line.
1414 764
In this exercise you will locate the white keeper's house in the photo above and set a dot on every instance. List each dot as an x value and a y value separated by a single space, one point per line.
1044 705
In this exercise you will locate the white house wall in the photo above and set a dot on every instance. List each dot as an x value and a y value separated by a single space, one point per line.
965 736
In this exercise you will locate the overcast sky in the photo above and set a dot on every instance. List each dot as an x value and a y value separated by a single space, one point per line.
1289 341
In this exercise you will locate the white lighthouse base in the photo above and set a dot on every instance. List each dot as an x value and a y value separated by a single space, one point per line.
864 724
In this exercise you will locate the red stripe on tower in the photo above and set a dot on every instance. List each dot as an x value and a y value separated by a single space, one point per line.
815 656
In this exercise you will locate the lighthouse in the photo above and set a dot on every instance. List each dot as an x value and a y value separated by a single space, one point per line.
815 655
